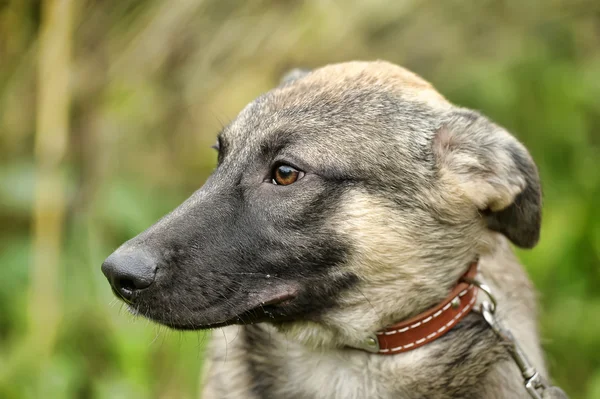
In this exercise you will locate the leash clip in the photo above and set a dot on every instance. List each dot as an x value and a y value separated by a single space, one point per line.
533 381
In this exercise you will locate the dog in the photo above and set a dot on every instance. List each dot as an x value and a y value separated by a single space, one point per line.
345 200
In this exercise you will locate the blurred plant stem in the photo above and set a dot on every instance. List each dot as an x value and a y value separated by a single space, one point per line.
51 138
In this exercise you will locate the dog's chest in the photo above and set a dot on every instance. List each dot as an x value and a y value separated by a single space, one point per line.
296 374
278 368
263 364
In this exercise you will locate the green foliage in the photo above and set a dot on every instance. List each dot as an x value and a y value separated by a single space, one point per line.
152 84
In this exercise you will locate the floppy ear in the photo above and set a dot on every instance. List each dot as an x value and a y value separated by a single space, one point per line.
494 171
293 74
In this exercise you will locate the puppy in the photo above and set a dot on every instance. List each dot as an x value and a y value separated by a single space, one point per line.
347 200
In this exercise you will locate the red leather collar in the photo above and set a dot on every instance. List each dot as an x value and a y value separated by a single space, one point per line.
433 323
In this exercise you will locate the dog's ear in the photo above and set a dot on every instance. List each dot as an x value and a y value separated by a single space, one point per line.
494 171
293 74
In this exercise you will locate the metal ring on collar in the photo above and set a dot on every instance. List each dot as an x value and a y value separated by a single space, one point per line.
485 288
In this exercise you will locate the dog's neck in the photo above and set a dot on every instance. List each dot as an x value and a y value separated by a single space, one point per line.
430 325
280 368
467 362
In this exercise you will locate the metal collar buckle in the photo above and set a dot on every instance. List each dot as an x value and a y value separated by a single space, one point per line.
534 383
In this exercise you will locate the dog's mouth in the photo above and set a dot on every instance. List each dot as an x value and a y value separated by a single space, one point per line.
272 304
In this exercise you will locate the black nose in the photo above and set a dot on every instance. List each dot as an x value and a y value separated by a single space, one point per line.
129 271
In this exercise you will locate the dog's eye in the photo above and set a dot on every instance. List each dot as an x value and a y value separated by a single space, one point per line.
285 175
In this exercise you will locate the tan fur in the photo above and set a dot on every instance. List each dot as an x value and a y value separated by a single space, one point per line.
482 192
389 76
395 259
331 80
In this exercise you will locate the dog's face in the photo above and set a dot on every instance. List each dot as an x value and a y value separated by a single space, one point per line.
343 200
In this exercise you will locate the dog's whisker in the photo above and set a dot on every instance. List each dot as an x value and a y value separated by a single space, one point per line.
156 334
369 302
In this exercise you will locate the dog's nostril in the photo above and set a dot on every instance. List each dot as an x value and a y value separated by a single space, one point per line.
126 284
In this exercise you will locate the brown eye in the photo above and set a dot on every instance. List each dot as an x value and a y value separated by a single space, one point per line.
285 175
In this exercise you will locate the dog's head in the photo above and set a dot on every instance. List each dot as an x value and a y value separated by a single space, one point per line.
345 199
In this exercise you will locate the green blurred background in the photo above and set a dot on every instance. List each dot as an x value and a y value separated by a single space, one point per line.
108 109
